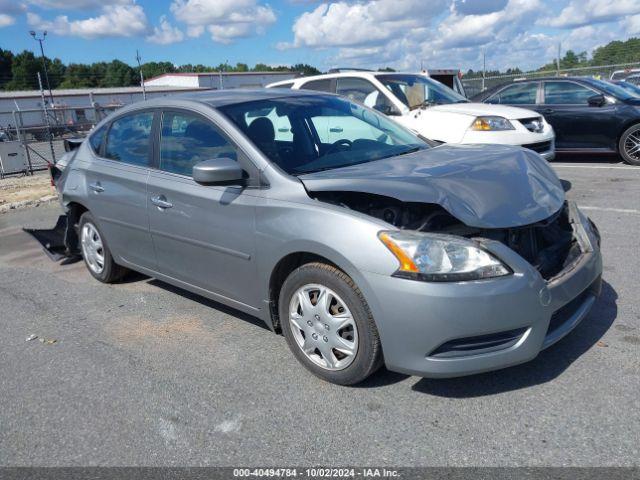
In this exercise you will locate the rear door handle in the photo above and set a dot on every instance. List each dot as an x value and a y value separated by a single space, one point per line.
160 201
96 187
336 130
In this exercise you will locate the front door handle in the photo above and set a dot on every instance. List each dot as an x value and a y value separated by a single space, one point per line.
335 129
161 202
96 187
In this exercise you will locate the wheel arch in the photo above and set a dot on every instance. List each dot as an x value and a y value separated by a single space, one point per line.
624 128
282 269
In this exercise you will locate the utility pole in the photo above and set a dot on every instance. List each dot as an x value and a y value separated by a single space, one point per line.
144 91
224 67
484 66
558 59
44 63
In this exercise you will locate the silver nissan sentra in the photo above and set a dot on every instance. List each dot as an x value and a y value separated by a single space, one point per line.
363 244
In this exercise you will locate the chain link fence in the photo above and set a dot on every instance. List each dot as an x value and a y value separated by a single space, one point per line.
36 138
476 85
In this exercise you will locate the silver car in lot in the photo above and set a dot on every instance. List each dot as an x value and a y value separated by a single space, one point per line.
375 248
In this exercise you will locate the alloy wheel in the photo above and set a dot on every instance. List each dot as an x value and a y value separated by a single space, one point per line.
632 144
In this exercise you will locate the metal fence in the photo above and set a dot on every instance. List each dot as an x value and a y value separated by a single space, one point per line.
28 145
474 86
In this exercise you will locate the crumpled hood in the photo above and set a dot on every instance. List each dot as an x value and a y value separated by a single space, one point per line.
486 109
486 186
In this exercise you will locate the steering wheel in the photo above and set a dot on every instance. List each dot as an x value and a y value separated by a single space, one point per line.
339 145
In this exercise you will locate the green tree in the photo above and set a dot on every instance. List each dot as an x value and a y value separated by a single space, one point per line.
24 71
6 60
119 74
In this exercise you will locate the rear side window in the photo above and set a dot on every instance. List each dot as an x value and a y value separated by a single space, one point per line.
284 85
318 85
188 139
568 93
519 94
129 137
97 139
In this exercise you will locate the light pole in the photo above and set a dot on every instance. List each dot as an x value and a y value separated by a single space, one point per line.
44 63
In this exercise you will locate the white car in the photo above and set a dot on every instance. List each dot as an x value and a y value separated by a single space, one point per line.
431 109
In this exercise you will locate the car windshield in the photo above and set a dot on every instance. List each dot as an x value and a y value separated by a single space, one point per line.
419 91
610 89
303 134
630 87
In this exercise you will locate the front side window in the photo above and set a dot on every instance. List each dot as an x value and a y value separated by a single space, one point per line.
188 139
97 139
419 91
567 93
327 132
364 92
129 137
518 94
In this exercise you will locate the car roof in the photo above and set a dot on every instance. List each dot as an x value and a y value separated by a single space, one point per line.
221 98
348 73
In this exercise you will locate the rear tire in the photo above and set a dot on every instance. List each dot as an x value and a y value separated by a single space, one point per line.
95 252
328 326
629 145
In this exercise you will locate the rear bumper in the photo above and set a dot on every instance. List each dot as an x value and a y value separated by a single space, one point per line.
455 329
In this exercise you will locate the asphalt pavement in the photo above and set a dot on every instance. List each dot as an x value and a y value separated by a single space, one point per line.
142 373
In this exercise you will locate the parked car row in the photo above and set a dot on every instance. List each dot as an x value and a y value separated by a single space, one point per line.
588 115
363 246
564 114
432 110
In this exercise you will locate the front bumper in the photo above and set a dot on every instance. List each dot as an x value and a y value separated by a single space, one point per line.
470 319
542 143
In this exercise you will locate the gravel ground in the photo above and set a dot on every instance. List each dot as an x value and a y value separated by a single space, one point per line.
26 191
142 373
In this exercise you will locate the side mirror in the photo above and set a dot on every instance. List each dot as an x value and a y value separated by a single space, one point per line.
218 171
596 100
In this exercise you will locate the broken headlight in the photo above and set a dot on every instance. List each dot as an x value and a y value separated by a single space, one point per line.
441 258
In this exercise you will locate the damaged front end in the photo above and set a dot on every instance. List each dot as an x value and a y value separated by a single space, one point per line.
551 246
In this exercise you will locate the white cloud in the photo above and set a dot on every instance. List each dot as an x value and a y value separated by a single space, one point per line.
224 20
346 24
165 34
584 12
77 4
631 25
114 21
6 20
8 11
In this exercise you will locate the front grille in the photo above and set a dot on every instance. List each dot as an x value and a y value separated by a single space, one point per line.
541 147
534 124
461 347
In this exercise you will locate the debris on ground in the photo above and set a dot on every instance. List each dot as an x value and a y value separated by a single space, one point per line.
29 191
31 337
602 344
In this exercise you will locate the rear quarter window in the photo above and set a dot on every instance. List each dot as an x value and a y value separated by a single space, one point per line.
96 140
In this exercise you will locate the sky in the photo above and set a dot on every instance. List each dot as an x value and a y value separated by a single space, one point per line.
403 34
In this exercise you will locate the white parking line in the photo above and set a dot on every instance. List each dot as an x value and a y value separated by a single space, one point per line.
615 210
599 167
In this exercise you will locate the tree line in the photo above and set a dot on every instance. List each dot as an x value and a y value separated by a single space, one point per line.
19 71
613 53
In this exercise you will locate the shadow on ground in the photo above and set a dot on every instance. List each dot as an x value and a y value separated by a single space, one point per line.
548 365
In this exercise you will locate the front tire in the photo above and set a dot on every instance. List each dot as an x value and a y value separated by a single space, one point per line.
629 145
95 252
327 324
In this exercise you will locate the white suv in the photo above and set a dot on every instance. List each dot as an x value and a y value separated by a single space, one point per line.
432 110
